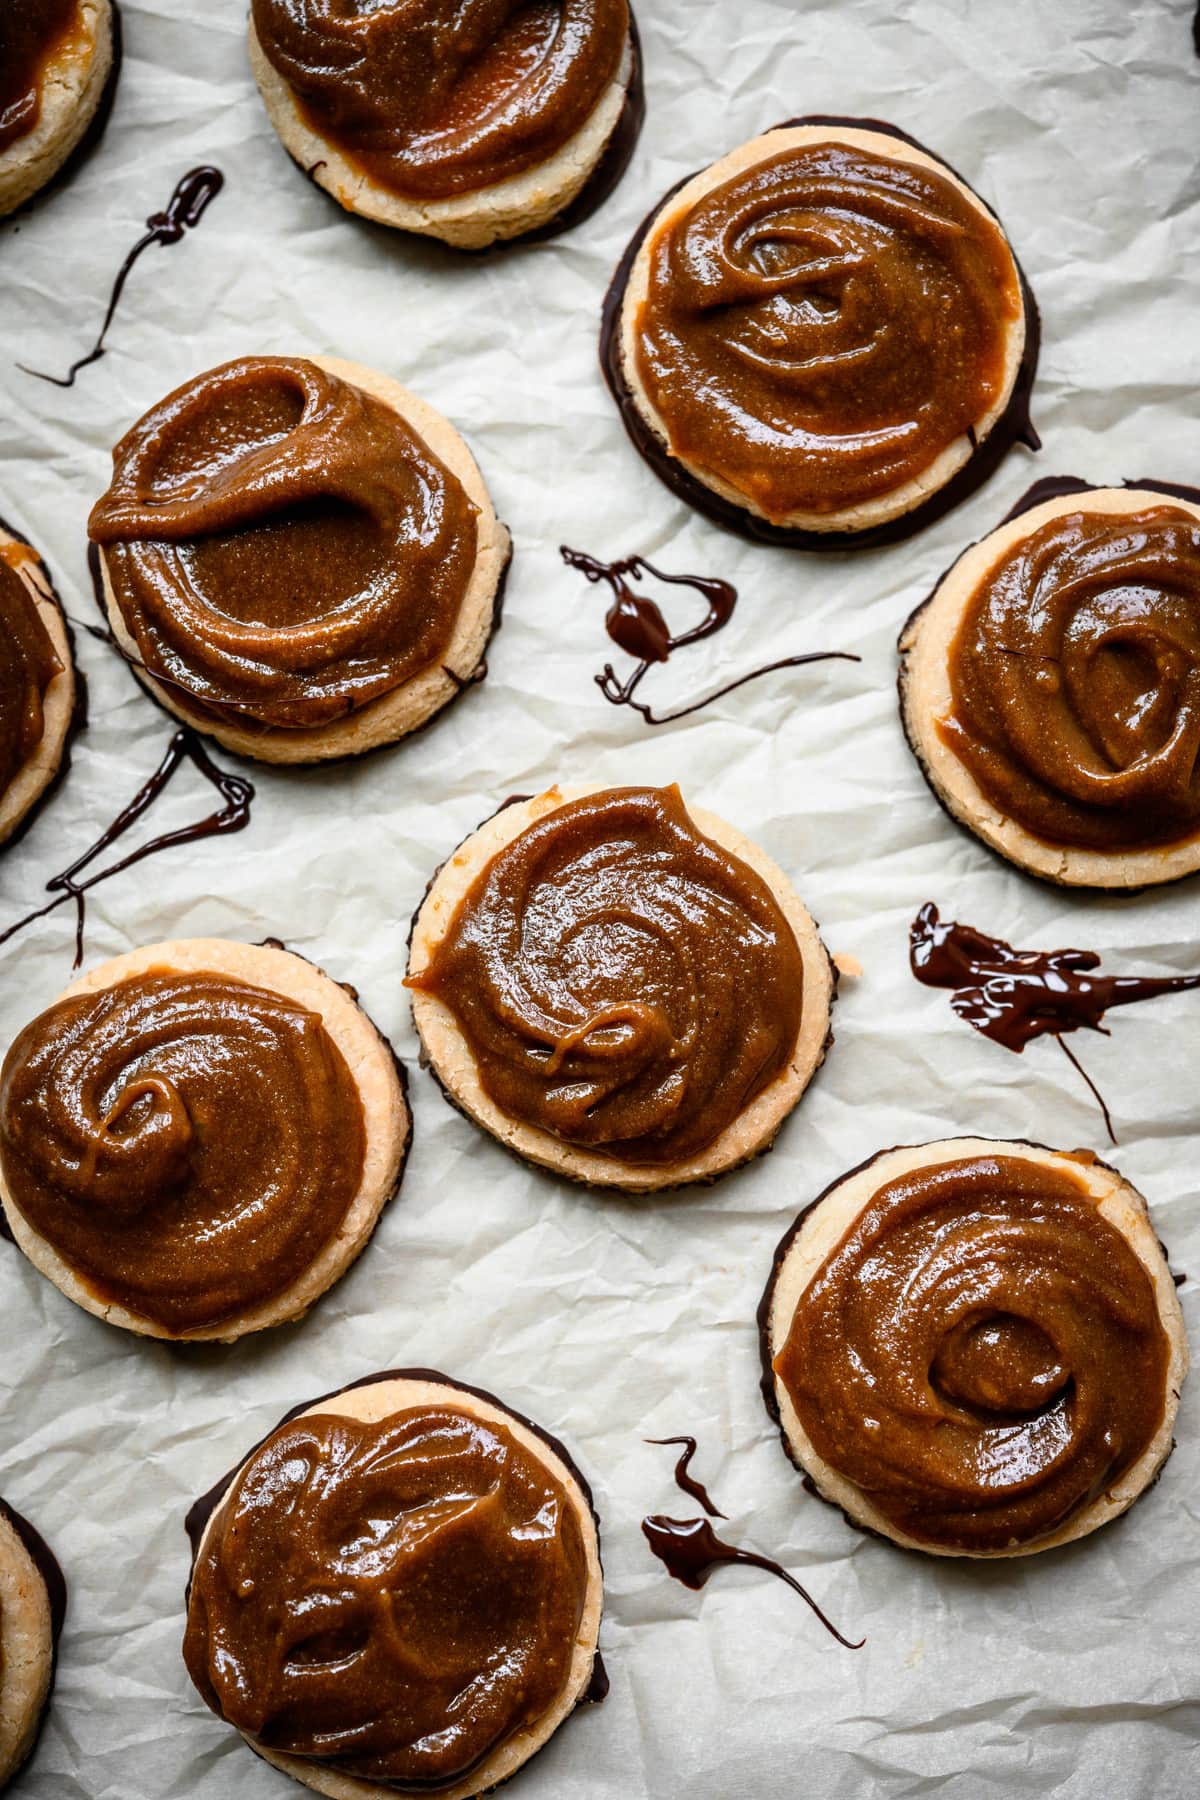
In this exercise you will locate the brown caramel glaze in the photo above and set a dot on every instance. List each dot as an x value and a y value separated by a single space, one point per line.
187 1143
193 195
317 565
1031 1382
95 131
613 919
685 1482
691 1551
237 796
79 717
32 32
201 1510
636 625
600 185
1014 426
1075 680
472 95
28 664
55 1583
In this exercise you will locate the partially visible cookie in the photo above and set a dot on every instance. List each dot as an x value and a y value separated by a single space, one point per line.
38 687
33 1599
399 1590
56 57
620 987
1050 686
975 1347
458 126
197 1140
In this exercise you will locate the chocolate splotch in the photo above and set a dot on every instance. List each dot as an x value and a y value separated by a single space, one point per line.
686 1482
192 197
1014 996
691 1552
636 624
73 884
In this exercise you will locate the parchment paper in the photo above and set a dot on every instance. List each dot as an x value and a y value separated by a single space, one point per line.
1073 1674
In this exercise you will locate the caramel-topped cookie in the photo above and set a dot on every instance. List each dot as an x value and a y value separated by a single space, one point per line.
38 689
33 1599
468 122
974 1347
196 1141
56 57
434 1654
620 987
824 338
1050 687
299 557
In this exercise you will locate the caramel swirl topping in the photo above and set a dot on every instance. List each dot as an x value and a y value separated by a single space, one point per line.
282 545
187 1143
622 981
432 98
31 34
395 1600
982 1353
1075 680
28 664
820 327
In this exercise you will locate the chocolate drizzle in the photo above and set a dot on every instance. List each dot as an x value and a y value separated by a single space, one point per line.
236 793
1014 996
688 1483
635 623
691 1551
186 207
1014 426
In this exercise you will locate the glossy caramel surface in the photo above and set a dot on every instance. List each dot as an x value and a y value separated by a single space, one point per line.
981 1354
282 546
187 1143
31 33
28 664
820 327
1075 680
621 981
433 98
394 1599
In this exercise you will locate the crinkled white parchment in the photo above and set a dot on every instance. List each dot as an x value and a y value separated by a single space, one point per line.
1073 1674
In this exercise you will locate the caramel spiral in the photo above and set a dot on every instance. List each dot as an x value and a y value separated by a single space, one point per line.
981 1354
187 1143
281 545
820 327
28 664
395 1599
1075 679
621 980
439 99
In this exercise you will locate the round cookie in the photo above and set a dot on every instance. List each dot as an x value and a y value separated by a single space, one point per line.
410 705
71 91
33 1597
928 649
376 1399
531 201
873 518
377 1080
61 699
980 1371
448 1052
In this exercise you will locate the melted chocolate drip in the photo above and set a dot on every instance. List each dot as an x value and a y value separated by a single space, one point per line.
185 209
636 625
1014 996
688 1483
1015 425
235 791
691 1550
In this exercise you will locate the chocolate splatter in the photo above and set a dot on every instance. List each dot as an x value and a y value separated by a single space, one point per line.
192 197
635 623
236 793
1014 996
688 1483
690 1550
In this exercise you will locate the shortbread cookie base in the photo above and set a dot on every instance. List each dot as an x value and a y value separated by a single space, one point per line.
72 90
59 701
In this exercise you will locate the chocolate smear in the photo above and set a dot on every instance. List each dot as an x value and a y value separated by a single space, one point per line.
688 1483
